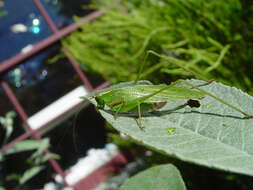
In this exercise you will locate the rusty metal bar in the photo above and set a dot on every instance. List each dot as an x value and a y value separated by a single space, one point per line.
18 139
55 30
104 85
16 104
78 70
72 60
30 132
24 117
16 60
46 16
100 174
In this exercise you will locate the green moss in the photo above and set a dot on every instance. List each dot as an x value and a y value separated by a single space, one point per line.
209 37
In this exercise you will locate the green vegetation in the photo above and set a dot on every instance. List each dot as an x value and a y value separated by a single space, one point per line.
211 38
34 163
212 135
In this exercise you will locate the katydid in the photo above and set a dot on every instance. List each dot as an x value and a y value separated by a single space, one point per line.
141 98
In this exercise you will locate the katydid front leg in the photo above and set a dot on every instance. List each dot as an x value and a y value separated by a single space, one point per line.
121 102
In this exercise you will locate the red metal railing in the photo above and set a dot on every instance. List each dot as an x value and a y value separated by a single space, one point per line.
16 60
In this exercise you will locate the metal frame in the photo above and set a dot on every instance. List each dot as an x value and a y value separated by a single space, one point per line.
13 62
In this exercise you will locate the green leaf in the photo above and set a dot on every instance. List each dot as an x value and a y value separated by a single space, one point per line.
42 145
46 157
13 176
162 177
30 173
213 135
7 123
27 145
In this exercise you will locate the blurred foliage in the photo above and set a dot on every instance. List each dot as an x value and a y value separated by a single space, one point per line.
34 163
212 38
2 13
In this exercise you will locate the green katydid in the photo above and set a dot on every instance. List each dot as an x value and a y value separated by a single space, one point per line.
141 98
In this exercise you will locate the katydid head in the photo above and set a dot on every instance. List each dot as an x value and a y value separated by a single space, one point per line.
100 102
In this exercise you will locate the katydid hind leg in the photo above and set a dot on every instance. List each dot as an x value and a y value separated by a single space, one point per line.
139 117
246 115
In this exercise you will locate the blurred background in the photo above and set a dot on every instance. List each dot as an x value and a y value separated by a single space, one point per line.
52 52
